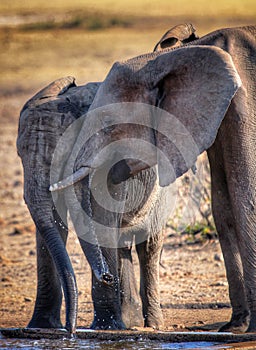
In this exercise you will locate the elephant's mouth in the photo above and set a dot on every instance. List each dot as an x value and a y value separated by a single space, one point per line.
94 254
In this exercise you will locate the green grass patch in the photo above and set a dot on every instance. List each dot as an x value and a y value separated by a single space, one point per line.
199 232
82 21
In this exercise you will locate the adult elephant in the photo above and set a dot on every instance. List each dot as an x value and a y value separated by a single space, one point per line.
43 121
209 87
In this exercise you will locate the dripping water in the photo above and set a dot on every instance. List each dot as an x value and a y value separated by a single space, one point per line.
102 266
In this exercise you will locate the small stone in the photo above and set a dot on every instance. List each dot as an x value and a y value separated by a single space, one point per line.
219 284
27 299
200 322
16 232
218 257
5 279
178 326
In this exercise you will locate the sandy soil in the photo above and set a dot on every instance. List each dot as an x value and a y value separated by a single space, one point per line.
194 290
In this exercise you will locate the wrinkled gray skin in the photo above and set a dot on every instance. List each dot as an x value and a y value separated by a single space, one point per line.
144 224
43 121
209 85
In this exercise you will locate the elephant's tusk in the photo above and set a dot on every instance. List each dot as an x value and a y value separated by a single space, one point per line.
71 180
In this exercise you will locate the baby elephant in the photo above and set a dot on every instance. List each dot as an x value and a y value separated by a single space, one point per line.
43 120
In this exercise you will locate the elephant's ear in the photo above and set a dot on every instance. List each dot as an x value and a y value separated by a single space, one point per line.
56 88
195 85
177 36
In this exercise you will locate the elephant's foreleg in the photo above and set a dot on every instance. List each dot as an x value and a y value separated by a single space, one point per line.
106 298
130 299
149 256
226 228
49 292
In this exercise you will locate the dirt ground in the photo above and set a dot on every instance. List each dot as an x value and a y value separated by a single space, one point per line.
194 290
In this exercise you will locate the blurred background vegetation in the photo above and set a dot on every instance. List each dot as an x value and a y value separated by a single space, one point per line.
42 41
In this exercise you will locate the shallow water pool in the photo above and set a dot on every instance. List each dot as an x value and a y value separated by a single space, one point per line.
103 345
39 339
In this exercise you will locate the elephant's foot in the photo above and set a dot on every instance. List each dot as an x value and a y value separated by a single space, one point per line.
238 324
107 323
132 315
44 321
107 319
154 318
252 324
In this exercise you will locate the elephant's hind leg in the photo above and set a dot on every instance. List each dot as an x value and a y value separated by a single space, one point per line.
246 223
225 224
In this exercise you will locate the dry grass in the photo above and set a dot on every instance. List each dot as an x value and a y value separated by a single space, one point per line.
134 7
31 58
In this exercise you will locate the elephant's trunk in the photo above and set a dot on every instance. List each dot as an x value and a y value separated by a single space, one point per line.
97 262
56 247
78 200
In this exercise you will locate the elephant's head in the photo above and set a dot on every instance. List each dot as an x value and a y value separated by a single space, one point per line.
167 107
177 36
